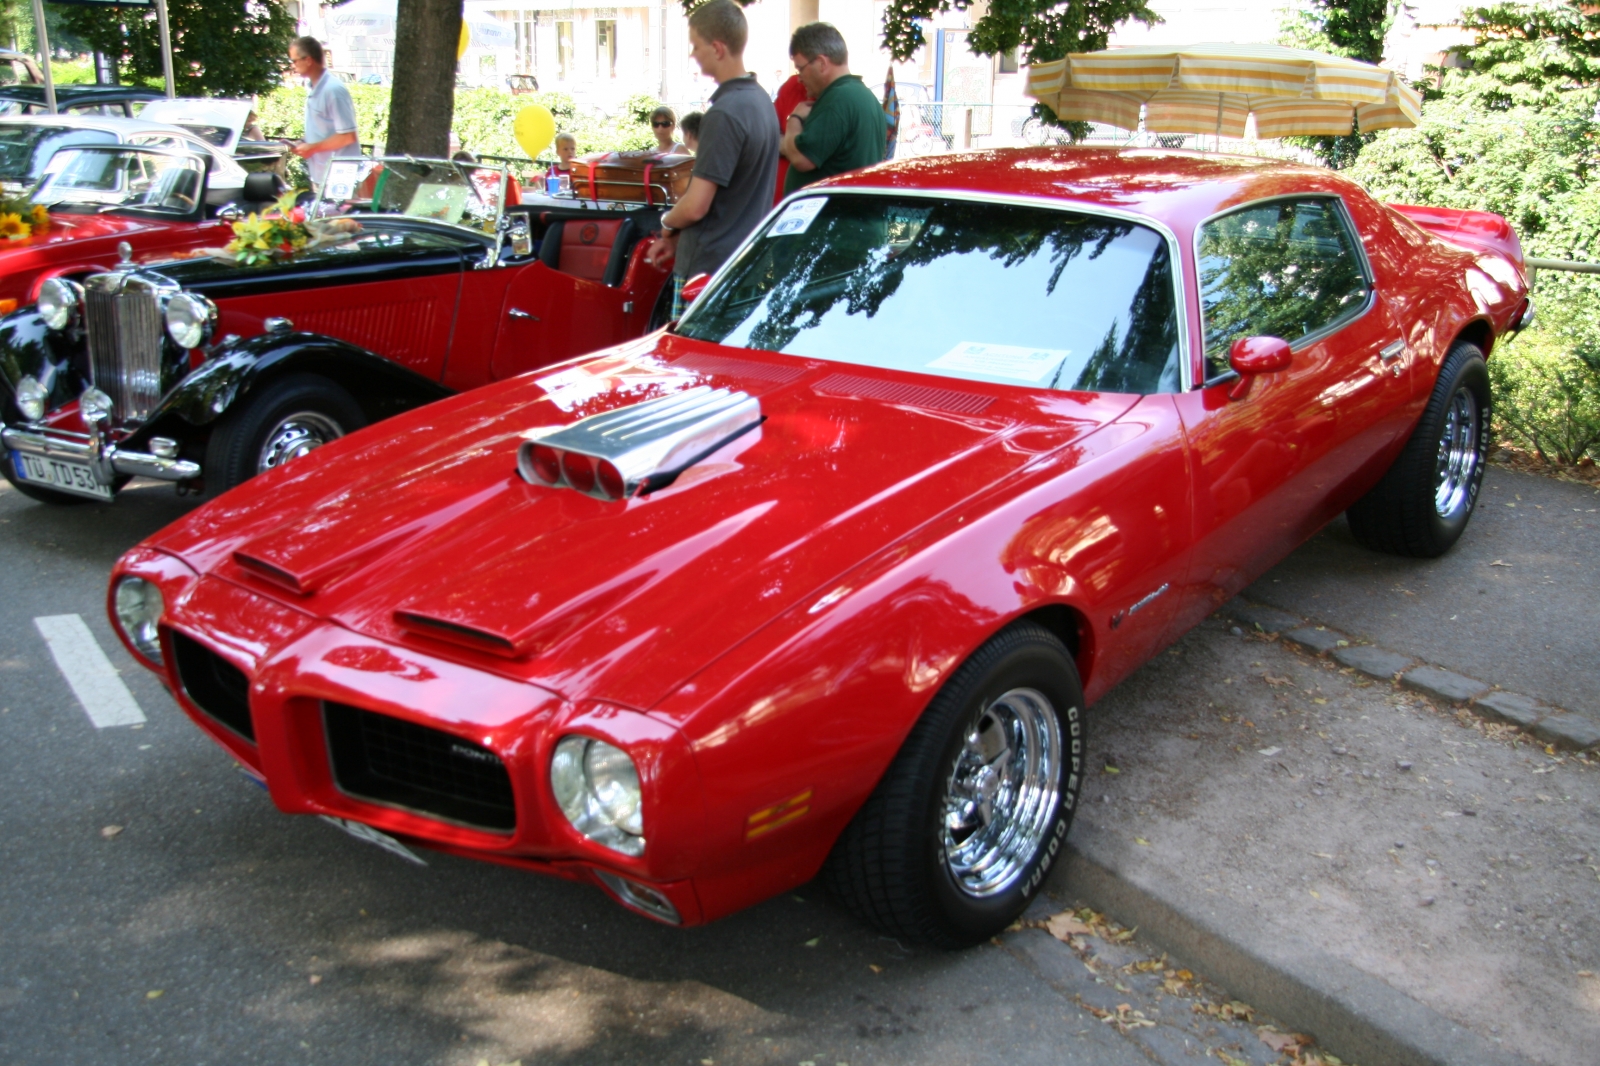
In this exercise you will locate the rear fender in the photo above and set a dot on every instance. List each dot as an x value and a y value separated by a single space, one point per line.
381 386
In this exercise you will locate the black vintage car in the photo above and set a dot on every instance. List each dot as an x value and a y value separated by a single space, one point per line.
205 371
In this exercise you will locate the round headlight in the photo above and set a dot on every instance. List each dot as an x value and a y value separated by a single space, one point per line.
94 405
31 397
59 300
138 606
597 786
190 319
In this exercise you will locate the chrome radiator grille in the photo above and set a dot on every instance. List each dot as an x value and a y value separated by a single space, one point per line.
124 326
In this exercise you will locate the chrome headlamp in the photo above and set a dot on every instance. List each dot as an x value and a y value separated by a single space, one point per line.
138 606
191 319
31 398
597 786
94 405
59 301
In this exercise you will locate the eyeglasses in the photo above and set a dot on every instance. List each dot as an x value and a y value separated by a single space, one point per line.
663 124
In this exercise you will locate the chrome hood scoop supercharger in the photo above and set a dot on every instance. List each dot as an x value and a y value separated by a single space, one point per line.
739 497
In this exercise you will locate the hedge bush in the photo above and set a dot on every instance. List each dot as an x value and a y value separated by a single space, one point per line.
1547 396
483 119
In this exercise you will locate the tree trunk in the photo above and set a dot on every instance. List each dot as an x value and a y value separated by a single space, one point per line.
426 35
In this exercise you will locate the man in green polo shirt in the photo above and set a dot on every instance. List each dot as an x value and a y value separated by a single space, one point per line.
844 128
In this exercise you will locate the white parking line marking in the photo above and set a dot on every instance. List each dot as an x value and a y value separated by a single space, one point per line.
94 680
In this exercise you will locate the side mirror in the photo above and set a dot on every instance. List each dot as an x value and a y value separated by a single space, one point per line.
694 287
1250 356
230 213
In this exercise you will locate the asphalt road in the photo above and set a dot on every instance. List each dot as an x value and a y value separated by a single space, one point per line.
1512 604
212 929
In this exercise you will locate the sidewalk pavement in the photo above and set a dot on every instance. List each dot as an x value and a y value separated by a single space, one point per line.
1383 864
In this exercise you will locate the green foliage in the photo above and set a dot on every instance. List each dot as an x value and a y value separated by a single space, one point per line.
1041 29
483 119
1528 54
1547 397
220 47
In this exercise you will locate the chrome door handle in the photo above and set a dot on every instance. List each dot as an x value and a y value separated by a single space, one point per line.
1392 352
517 312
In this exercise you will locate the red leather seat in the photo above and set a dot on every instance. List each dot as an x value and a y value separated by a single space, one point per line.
587 248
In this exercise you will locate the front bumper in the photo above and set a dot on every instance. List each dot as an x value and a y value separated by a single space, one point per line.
105 459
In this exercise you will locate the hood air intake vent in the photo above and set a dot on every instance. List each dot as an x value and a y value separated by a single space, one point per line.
640 448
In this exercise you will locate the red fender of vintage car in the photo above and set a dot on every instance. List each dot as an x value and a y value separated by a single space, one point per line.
77 244
762 634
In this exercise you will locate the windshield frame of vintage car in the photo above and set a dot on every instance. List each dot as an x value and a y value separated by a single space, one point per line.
429 196
30 135
89 197
999 349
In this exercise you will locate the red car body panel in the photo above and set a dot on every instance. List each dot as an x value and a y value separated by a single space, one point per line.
87 244
762 634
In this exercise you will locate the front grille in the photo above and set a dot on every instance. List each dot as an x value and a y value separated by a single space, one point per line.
124 325
385 760
214 685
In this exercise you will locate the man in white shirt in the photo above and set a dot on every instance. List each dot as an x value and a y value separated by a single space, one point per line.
330 113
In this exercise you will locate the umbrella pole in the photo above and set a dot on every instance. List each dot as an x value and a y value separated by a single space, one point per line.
1218 146
44 55
166 44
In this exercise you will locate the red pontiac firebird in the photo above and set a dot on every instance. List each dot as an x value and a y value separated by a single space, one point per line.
822 577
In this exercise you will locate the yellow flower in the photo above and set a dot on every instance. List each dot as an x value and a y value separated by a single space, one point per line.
41 217
13 228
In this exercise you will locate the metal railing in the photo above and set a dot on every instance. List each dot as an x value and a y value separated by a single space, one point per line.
1568 265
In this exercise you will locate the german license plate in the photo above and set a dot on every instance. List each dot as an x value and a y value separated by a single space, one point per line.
66 475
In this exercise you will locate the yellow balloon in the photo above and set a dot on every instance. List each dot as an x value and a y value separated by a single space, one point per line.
534 127
461 47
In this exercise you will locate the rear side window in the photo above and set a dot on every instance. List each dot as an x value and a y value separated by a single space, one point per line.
1288 269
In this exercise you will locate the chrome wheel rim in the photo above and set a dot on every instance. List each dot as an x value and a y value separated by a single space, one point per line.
294 436
1457 464
1002 793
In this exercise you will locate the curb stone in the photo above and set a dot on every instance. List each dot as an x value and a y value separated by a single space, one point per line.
1553 725
1356 1016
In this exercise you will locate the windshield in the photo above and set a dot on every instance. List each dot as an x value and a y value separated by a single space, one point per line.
24 150
464 194
124 177
990 292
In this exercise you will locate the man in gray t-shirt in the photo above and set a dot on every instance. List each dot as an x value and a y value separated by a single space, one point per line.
330 113
737 165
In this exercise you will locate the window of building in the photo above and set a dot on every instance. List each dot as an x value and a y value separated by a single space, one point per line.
605 47
1006 62
564 50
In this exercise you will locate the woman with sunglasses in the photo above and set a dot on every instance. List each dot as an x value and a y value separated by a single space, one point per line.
663 121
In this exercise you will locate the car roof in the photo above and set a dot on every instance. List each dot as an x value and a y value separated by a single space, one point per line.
34 94
220 112
1178 188
125 128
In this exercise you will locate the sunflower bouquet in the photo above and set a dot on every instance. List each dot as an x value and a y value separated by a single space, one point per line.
20 219
276 234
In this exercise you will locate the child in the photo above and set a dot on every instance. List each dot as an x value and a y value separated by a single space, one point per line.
566 152
690 128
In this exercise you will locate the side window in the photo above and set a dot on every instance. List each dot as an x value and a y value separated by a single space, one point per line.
1288 268
154 140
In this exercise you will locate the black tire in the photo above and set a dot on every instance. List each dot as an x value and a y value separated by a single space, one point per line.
34 492
1423 504
261 432
894 865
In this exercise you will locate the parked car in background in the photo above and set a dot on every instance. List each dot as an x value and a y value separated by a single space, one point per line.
822 578
29 142
112 100
227 125
208 370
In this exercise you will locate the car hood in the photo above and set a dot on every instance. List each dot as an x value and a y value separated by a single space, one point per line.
427 518
79 228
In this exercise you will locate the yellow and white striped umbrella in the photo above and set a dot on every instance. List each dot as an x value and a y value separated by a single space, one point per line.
1214 88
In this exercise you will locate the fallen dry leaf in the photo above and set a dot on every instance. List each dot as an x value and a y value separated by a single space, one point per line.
110 831
1269 751
155 993
1279 1042
813 942
1141 840
874 967
1065 925
1276 681
1501 562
